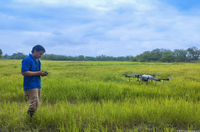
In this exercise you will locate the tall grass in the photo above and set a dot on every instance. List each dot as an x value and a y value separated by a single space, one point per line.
95 96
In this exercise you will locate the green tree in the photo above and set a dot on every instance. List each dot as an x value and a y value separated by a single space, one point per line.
193 53
146 56
133 59
1 53
156 54
180 55
80 58
6 56
18 55
168 56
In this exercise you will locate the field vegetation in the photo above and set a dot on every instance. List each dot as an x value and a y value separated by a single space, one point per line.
96 96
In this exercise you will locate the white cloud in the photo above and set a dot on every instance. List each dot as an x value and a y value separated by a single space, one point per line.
86 27
97 4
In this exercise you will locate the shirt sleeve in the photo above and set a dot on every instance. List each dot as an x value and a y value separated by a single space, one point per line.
25 65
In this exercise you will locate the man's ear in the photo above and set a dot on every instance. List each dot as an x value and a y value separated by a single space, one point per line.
34 51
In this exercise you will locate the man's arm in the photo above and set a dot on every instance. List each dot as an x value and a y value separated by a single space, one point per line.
30 73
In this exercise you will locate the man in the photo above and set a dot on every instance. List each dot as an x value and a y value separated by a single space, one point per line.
31 70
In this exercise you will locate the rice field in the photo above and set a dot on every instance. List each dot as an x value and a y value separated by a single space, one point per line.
95 96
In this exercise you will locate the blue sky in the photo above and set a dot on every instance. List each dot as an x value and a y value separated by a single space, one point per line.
98 27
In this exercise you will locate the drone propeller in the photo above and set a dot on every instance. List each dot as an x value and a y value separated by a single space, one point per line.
132 75
167 79
135 74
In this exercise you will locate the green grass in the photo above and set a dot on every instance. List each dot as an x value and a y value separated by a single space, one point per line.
95 96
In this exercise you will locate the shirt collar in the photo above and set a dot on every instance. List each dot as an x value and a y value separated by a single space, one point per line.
32 56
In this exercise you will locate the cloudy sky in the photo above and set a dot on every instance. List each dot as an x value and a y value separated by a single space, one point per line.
98 27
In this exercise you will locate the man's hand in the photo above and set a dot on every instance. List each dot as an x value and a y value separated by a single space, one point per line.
42 73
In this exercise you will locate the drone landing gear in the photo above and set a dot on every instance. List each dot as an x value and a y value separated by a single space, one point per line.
138 80
129 79
156 82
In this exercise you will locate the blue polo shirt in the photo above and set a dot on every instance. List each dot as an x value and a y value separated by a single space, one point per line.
29 64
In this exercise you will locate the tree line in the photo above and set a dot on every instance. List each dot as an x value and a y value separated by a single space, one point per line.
164 55
161 55
20 55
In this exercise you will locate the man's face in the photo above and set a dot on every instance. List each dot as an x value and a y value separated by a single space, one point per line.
38 54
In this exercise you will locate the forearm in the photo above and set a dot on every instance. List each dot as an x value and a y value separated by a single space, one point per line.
30 73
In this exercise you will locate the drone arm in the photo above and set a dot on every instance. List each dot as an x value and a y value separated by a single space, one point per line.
166 79
155 79
133 76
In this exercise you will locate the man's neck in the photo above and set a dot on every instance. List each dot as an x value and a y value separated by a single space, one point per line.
34 57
